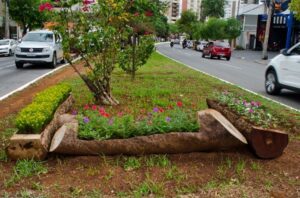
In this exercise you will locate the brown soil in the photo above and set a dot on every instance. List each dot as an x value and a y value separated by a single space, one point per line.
236 173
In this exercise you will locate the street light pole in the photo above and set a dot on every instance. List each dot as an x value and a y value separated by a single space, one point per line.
7 34
267 31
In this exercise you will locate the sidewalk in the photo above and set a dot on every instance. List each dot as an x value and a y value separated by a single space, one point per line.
253 56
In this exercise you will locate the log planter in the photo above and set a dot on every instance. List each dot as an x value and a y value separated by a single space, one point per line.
266 143
216 133
36 146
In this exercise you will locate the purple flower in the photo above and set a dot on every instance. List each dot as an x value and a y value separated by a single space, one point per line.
111 121
74 112
86 120
168 119
156 110
251 111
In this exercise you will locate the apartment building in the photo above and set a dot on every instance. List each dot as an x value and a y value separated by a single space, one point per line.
176 7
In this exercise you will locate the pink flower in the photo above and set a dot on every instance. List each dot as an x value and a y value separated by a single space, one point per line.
136 14
120 114
94 107
251 111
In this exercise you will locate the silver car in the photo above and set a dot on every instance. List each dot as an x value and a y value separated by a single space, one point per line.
7 47
42 46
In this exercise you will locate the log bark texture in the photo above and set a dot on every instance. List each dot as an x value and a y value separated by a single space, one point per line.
36 146
212 136
266 143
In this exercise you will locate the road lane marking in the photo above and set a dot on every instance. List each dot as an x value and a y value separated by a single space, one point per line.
225 81
36 79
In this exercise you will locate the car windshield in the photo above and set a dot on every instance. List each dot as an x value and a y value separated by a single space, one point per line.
4 42
38 37
221 44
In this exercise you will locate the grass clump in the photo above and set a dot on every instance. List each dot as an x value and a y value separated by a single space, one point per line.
24 169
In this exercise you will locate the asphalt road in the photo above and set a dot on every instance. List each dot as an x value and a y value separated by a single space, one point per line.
243 72
12 78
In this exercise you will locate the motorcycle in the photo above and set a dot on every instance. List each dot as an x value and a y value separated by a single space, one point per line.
171 44
184 45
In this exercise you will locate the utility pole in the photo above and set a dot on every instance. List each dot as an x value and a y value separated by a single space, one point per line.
267 31
7 34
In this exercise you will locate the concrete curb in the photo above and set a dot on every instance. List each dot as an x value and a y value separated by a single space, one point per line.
35 80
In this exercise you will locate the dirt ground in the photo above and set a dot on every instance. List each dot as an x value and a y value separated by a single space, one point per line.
235 173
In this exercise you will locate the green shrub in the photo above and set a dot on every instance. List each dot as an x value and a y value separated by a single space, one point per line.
40 112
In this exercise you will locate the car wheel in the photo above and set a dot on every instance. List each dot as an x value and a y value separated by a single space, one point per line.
19 65
228 58
54 61
203 55
210 56
10 53
271 83
219 57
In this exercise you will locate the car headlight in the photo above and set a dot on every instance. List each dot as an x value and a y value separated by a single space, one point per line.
46 49
18 49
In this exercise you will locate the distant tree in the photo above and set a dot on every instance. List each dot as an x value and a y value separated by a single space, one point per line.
233 28
161 26
186 22
26 13
295 6
213 8
197 28
173 28
214 29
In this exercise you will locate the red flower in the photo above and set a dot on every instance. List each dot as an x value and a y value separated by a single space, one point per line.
170 107
179 104
106 115
161 110
148 13
86 107
86 2
94 107
45 6
85 9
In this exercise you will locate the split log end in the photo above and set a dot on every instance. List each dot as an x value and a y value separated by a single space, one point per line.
268 143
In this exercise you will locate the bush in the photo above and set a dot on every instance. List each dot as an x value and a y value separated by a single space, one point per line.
95 123
238 47
40 112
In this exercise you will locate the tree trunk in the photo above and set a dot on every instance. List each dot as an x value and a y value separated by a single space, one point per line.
267 32
133 68
266 143
212 136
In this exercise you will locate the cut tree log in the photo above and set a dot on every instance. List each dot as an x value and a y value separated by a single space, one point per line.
212 136
266 143
28 146
22 146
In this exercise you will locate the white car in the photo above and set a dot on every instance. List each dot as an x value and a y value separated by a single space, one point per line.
42 46
7 47
201 45
283 72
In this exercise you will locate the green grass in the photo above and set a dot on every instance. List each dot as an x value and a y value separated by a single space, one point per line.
25 169
163 82
132 163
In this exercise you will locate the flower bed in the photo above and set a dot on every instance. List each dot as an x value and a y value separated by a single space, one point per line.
259 127
96 124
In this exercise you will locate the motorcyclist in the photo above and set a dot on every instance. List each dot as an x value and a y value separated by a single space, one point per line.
184 43
172 43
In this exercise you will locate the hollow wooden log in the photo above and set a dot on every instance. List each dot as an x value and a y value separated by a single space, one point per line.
28 146
266 143
212 136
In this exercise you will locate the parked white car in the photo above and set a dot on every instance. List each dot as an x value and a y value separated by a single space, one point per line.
283 72
40 46
201 45
7 47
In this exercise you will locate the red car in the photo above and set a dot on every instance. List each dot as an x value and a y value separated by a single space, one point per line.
217 49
